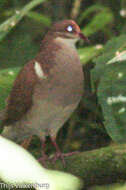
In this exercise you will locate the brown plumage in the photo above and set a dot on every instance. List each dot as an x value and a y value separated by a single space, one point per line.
47 89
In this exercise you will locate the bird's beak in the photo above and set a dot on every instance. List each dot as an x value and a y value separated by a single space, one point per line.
83 37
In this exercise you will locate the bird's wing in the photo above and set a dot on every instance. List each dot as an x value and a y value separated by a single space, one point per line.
20 99
2 112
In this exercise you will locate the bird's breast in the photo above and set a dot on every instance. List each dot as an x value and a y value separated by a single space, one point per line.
65 81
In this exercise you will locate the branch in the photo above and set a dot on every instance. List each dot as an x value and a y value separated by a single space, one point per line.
7 26
101 166
75 9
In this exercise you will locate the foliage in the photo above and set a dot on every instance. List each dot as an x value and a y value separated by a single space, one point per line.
54 180
102 111
11 22
7 77
110 71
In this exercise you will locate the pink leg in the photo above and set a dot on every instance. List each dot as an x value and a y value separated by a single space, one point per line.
59 154
44 156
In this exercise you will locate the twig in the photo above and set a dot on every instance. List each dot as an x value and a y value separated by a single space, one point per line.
102 166
75 9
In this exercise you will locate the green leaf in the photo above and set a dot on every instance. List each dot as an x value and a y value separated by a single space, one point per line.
112 97
24 165
7 77
7 26
123 4
121 56
88 11
110 49
116 186
98 22
88 53
17 50
39 18
2 2
111 89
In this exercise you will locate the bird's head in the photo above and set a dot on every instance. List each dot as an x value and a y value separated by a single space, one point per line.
68 29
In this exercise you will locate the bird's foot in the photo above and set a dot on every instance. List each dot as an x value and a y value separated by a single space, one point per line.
70 153
60 155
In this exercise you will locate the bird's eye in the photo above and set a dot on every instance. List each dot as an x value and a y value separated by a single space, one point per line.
69 28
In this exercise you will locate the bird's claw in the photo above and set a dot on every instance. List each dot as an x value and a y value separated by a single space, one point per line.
61 156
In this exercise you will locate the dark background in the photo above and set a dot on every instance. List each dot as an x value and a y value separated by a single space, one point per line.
100 21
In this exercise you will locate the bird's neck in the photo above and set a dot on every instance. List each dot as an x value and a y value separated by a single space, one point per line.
67 41
59 40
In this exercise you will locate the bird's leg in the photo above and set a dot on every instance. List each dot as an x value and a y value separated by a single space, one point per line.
44 155
26 142
58 152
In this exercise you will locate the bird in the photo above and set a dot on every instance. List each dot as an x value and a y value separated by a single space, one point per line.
47 89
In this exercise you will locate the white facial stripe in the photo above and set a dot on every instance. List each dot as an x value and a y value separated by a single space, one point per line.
68 41
39 71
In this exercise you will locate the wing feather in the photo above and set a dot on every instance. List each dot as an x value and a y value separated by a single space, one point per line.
20 99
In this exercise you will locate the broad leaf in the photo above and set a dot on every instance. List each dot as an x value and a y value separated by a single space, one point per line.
7 77
98 22
112 88
121 56
88 53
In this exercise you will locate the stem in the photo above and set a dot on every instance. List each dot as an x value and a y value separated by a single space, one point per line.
102 166
75 9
